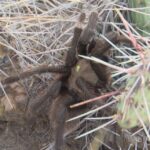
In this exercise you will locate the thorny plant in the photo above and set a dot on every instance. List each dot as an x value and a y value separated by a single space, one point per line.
119 70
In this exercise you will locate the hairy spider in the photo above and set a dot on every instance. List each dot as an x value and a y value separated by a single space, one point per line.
78 79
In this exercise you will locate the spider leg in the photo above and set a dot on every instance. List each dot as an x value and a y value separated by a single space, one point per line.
88 90
57 117
51 93
38 70
71 55
102 73
59 131
102 46
87 34
40 105
100 50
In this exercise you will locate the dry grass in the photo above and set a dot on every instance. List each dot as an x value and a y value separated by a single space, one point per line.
39 32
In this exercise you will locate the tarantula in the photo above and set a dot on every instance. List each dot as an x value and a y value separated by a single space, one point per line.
78 79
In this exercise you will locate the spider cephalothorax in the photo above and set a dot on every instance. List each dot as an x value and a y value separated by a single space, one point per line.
78 79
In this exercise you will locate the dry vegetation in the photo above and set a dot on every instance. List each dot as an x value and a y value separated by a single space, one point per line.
37 32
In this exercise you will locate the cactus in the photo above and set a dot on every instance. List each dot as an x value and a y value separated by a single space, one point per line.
141 19
134 103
